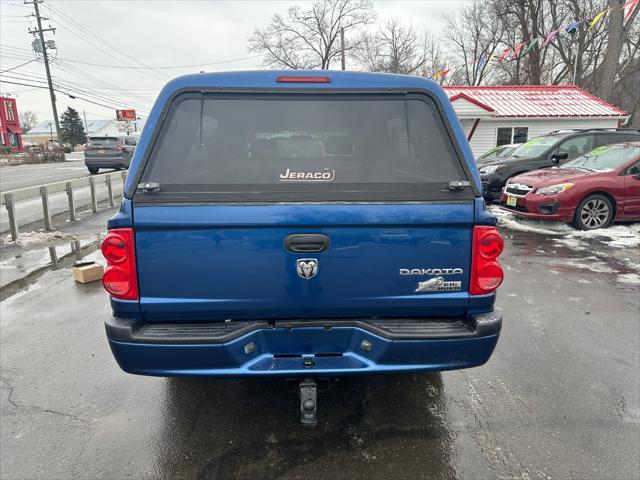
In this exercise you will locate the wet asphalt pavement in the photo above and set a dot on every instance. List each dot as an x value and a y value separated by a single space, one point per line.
29 212
559 399
13 177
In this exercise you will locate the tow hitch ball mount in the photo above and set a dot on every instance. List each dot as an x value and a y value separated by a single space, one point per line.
308 395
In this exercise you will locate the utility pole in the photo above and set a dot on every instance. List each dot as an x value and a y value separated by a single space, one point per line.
40 31
86 129
575 62
342 47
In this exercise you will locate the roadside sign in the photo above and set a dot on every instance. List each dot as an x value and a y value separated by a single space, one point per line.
127 115
127 127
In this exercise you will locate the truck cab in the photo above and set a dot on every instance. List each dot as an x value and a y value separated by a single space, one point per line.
302 224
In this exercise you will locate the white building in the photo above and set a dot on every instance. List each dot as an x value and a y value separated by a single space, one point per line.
497 115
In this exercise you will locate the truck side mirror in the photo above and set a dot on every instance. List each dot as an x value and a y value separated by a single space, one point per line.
637 176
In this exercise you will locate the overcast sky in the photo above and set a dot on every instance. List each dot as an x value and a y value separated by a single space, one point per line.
165 33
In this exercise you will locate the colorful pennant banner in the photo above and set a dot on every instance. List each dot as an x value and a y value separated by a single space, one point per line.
568 30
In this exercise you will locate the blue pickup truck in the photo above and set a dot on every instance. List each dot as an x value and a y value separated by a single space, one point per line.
302 224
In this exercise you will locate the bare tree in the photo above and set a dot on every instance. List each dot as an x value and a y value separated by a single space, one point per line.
603 58
433 54
28 120
310 38
610 68
398 48
474 35
394 48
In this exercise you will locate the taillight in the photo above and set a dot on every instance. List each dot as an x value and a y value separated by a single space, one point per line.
120 278
486 272
120 148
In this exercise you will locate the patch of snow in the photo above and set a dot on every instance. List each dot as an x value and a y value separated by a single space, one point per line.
509 220
28 239
632 278
596 266
619 236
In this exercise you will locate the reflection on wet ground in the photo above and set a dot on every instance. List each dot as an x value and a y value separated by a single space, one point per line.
578 256
23 267
376 422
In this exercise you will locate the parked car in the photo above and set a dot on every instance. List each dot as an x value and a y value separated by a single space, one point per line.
556 148
499 152
591 191
109 152
237 253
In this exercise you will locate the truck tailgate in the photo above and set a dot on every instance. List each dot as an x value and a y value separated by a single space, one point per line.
216 262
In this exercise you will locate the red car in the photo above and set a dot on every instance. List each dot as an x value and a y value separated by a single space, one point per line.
589 191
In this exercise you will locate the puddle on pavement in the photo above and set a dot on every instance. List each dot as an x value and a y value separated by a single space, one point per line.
23 268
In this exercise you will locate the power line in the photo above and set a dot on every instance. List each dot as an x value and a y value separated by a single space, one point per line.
111 107
85 76
108 94
20 56
132 67
97 47
11 47
73 90
18 66
195 65
86 31
90 78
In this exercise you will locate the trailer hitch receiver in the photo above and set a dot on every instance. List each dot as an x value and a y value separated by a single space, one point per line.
308 394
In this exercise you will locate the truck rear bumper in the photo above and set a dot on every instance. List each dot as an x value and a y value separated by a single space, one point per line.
303 348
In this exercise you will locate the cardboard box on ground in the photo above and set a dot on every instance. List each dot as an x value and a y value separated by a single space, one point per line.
87 272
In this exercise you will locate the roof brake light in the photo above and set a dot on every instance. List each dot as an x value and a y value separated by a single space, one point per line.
294 79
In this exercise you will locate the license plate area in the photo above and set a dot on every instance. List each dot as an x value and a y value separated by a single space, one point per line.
101 151
511 201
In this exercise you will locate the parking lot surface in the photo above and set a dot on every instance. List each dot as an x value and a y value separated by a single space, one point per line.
559 399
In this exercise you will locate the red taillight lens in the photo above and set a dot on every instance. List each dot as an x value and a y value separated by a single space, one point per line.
114 248
293 79
490 276
120 148
486 272
490 245
116 281
120 278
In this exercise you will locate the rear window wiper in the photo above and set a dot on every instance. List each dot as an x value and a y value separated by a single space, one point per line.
148 187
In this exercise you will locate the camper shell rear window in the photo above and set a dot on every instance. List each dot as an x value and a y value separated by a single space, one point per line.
293 147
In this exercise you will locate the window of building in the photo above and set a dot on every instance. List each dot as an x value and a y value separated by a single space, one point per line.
9 108
506 135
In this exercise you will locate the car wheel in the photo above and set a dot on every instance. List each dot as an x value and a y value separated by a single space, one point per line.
595 211
93 170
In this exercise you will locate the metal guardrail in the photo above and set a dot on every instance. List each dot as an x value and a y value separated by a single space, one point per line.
9 199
